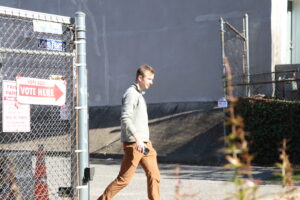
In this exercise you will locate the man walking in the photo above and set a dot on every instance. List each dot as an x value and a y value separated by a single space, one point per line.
137 147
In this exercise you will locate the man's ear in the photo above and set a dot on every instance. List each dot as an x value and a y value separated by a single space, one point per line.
140 78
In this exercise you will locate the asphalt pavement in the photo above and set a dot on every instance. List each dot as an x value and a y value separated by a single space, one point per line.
192 182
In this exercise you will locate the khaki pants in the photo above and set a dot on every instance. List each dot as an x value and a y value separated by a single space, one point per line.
129 164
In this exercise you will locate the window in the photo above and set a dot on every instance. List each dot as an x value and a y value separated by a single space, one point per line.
293 32
289 32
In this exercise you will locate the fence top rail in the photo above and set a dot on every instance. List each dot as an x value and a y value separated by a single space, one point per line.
26 14
287 67
35 52
235 30
266 82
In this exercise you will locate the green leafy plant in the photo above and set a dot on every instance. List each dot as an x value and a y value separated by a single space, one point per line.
290 192
237 151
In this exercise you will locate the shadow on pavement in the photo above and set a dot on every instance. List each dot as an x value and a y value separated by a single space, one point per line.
193 172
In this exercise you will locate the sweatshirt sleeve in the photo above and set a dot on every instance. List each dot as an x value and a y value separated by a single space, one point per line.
129 103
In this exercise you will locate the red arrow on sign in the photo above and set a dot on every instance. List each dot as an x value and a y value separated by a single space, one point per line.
40 91
57 92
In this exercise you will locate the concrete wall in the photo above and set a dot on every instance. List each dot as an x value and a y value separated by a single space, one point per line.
279 32
279 29
179 38
296 31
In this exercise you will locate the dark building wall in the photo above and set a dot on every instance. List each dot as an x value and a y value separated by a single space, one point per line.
179 38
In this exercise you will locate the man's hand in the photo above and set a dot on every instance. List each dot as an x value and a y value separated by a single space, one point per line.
140 145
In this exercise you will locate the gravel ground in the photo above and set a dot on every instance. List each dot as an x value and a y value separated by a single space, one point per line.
195 182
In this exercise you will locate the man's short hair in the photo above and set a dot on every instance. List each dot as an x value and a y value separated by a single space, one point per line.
142 69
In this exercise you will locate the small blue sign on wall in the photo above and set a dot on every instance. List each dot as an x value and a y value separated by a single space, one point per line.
55 45
222 103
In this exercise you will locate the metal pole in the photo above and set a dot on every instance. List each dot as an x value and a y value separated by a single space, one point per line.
235 30
82 104
222 46
224 73
247 51
245 74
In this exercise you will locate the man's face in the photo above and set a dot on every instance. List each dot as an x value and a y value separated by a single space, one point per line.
145 81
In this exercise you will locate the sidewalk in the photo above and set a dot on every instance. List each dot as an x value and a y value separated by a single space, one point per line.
199 182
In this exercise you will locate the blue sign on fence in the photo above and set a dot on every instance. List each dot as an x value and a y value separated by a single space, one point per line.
55 45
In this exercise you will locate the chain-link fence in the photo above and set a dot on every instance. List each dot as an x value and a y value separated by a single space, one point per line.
282 84
38 139
235 49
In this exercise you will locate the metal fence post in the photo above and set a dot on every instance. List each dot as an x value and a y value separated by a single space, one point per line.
246 19
224 73
223 52
83 150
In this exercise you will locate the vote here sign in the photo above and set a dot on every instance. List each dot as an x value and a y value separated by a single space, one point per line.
15 116
41 91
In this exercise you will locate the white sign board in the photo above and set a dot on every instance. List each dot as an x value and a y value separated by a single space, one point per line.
222 103
41 91
55 45
15 116
47 27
